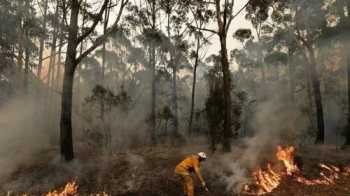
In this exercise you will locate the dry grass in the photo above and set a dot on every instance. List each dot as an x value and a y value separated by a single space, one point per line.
149 172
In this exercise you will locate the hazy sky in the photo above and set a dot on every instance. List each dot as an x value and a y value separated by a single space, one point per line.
237 23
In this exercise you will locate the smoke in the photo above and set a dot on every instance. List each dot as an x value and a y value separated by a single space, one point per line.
21 136
275 120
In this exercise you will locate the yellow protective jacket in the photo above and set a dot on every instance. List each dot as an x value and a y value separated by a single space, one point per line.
188 165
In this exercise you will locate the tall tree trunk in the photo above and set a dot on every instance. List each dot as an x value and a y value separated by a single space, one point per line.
174 100
153 95
309 92
227 132
42 39
347 136
291 78
66 135
26 66
26 41
20 42
52 61
196 62
173 65
59 61
51 76
346 25
106 126
226 85
260 62
20 37
105 24
153 67
315 82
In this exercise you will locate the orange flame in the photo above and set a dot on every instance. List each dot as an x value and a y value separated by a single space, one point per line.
71 189
266 180
287 157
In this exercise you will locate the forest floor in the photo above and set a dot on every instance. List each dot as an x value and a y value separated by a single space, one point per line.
149 172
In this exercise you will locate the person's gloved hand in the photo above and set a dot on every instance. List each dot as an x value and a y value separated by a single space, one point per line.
204 186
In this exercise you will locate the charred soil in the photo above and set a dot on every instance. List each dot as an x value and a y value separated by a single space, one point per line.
150 172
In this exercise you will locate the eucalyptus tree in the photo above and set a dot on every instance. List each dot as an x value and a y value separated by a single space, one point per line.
72 10
44 7
223 14
7 37
308 32
342 29
177 34
29 29
200 19
145 20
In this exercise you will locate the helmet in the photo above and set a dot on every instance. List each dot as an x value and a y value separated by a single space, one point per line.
202 155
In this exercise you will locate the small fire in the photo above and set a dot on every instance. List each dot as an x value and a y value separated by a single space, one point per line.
287 157
268 179
71 189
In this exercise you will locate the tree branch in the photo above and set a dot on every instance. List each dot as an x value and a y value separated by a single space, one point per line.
97 19
64 10
234 16
101 39
207 30
225 14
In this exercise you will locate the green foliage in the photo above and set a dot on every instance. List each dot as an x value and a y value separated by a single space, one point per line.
101 94
17 18
277 58
242 34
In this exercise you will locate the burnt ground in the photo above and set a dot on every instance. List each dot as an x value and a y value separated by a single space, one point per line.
149 172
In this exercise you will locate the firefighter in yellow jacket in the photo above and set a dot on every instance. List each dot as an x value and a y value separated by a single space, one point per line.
186 167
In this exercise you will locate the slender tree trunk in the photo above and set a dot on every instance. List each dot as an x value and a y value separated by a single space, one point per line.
194 87
66 135
309 91
346 25
173 65
291 77
26 41
51 77
52 61
20 55
227 132
315 82
105 24
78 69
19 58
174 98
260 62
106 125
42 39
347 136
26 67
59 62
226 85
153 96
153 67
20 39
